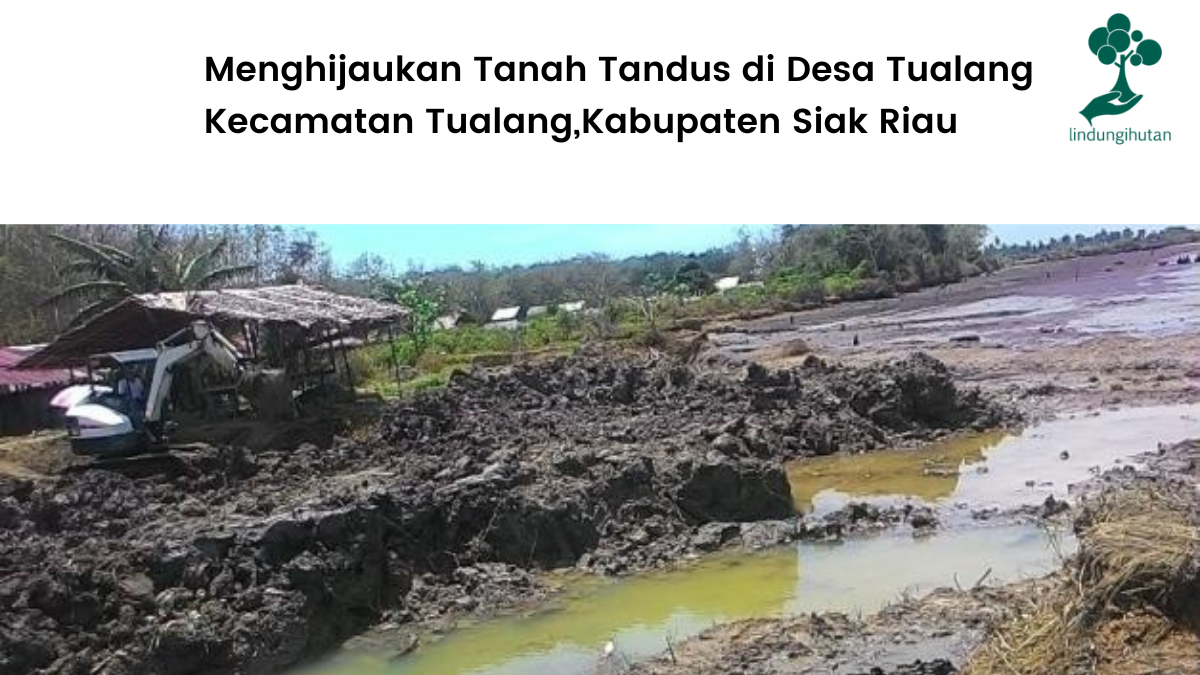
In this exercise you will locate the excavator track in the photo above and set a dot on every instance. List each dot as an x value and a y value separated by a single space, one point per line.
169 460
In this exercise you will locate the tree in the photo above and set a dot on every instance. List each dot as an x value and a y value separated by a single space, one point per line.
691 279
1112 46
423 308
652 289
372 274
936 238
154 262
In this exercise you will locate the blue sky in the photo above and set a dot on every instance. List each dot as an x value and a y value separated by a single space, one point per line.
438 245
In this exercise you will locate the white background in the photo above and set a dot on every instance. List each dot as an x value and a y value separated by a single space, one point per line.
103 109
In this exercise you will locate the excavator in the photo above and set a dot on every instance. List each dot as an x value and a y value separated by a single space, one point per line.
101 424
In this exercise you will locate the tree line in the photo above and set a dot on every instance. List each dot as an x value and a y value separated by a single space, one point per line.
1103 241
52 276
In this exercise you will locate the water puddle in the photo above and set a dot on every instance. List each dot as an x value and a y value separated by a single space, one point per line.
929 473
641 614
996 469
1168 307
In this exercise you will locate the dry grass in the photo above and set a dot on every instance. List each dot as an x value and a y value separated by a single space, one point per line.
41 453
1124 605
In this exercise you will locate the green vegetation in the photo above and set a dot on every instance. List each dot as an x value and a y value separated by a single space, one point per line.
49 274
448 351
423 308
152 261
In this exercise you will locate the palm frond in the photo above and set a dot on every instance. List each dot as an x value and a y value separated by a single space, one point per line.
224 274
88 312
94 252
123 256
201 261
161 238
87 291
82 265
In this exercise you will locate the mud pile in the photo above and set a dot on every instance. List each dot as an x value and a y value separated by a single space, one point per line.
925 636
223 560
782 414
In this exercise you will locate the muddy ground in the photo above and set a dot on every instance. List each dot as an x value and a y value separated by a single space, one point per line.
1114 330
225 559
220 559
1117 329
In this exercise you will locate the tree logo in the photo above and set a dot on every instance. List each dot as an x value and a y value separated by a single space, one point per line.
1111 44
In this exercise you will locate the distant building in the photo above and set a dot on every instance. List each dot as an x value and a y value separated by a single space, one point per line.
726 284
506 317
506 314
514 317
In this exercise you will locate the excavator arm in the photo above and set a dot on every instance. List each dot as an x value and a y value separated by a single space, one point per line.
196 340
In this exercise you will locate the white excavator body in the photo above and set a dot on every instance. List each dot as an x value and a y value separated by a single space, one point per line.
100 423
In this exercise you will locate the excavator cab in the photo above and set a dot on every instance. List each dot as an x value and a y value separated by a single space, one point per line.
107 419
117 419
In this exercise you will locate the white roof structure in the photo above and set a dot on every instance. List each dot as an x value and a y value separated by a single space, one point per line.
536 310
571 307
727 283
506 314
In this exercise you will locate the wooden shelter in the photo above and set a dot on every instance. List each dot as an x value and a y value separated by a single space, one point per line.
301 328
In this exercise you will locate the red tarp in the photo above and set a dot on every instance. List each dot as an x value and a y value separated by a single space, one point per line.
13 380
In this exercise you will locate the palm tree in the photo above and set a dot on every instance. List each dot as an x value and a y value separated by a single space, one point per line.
155 262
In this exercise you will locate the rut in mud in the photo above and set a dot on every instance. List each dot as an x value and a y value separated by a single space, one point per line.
229 561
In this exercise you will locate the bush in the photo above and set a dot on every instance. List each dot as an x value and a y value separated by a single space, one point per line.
871 288
841 284
795 285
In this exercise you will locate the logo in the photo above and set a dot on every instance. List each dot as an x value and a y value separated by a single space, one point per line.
1116 45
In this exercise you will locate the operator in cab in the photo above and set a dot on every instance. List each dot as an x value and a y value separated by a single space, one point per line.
133 392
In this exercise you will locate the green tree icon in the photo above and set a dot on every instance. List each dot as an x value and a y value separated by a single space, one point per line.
1112 46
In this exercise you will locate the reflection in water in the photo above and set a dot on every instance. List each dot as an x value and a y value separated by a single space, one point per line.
993 469
640 614
929 472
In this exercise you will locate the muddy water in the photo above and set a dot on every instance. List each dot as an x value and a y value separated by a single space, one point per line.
642 614
995 469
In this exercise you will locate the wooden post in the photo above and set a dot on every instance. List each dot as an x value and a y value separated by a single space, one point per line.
392 352
327 334
346 361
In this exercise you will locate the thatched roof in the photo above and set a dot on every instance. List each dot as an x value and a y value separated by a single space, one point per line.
305 306
144 320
